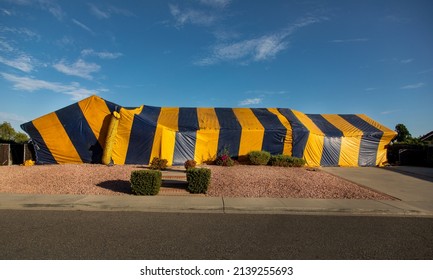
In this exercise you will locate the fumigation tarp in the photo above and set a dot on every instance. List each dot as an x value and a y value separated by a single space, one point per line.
79 133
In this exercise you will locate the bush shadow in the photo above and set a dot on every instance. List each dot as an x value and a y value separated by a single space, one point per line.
121 186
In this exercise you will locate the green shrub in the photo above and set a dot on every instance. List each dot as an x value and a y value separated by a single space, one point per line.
286 161
146 182
198 179
259 157
190 164
158 163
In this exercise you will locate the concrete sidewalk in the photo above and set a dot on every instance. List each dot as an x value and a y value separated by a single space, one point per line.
414 198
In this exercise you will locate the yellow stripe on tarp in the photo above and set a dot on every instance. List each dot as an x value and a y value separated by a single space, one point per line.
56 139
252 131
206 147
350 142
314 147
288 140
121 142
165 134
387 136
95 111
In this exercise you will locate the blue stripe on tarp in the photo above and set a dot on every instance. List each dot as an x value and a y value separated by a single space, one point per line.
230 131
142 135
275 132
300 133
112 106
42 153
188 119
80 133
184 147
332 140
369 142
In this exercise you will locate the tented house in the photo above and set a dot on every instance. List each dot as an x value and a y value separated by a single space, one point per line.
94 130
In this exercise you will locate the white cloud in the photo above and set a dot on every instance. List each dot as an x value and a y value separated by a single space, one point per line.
413 86
82 25
5 46
53 8
350 40
102 55
25 32
11 117
267 92
259 49
107 12
406 61
24 63
191 16
250 101
216 3
30 84
262 48
80 68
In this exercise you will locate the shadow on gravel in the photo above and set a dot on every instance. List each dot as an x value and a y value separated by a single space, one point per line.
120 186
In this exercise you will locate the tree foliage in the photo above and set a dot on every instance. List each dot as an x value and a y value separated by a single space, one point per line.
8 133
402 133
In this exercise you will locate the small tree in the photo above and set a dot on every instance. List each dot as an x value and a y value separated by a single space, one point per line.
8 133
403 134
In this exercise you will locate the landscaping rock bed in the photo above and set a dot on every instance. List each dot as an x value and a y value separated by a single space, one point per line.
236 181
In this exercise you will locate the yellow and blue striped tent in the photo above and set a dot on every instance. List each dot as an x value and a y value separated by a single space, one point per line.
93 129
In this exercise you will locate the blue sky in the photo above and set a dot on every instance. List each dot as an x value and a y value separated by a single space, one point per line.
371 57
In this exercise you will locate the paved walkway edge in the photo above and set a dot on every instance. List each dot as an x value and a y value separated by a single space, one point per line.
214 205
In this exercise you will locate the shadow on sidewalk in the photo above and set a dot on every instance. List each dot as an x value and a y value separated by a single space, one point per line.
412 173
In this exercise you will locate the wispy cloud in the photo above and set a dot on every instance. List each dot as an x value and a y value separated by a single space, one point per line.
370 89
23 32
250 101
82 25
24 62
30 84
102 55
267 92
53 8
257 49
413 86
354 40
80 68
216 3
388 112
12 118
406 61
107 12
6 46
192 16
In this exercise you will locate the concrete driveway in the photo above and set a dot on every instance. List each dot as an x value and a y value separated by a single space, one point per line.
413 186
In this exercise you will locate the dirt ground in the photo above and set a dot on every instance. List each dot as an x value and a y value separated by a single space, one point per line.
236 181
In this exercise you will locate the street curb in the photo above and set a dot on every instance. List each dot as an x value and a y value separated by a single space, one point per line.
191 204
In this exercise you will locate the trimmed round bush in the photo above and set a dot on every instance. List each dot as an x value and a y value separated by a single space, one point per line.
198 179
146 182
259 157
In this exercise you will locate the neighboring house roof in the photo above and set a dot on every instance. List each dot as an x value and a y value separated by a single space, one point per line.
427 137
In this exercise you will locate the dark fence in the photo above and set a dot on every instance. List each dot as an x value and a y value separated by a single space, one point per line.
16 153
410 154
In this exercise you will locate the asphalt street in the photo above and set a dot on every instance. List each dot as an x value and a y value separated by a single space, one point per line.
142 235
